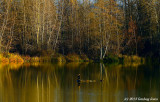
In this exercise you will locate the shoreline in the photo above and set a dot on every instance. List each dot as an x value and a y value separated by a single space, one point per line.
16 58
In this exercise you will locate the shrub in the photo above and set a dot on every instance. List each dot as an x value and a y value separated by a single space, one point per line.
15 58
4 60
73 58
61 59
45 59
26 58
111 59
132 58
35 59
58 58
84 57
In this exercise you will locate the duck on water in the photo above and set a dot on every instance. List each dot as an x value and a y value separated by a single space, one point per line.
85 81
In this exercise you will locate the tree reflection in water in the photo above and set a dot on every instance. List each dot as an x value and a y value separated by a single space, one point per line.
58 82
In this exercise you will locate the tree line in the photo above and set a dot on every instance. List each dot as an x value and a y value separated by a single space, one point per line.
95 28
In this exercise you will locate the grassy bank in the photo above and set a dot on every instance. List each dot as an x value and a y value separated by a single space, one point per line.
120 59
15 61
16 58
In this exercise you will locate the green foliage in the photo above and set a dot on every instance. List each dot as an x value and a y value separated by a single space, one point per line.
111 59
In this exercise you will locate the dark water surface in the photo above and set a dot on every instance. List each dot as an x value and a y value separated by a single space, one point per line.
58 83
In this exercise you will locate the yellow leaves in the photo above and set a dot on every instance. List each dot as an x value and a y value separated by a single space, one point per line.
13 61
132 26
61 59
91 15
100 3
35 59
1 56
4 60
73 2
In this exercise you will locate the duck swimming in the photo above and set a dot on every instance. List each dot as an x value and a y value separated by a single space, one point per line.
85 81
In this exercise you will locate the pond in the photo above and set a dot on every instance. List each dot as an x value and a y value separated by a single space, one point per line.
98 82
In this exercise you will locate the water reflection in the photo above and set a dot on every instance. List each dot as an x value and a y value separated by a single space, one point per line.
58 82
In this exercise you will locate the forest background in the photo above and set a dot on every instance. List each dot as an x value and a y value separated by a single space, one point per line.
92 28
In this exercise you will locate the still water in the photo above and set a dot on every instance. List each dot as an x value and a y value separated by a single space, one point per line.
58 82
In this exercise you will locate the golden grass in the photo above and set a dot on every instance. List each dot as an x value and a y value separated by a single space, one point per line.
133 58
61 59
13 61
36 64
35 59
